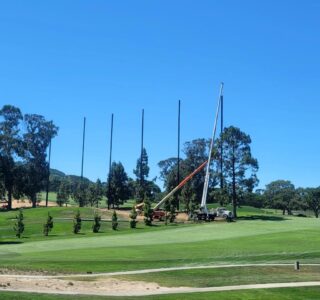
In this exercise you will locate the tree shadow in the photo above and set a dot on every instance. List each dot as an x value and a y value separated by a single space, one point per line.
262 218
10 243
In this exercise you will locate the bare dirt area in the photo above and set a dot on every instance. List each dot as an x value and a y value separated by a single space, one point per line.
28 203
114 287
92 286
105 284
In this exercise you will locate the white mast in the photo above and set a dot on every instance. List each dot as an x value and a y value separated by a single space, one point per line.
206 182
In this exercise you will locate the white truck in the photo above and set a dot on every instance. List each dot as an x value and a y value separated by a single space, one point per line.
224 213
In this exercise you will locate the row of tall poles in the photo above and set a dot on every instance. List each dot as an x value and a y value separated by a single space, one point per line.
141 154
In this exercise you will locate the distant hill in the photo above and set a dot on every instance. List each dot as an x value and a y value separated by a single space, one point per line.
55 172
57 177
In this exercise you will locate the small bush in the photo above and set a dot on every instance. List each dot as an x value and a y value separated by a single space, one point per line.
148 213
47 227
19 225
97 223
77 223
133 217
114 221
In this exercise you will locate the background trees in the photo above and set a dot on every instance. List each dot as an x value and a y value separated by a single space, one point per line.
311 198
280 194
36 140
118 190
239 166
23 145
10 147
196 152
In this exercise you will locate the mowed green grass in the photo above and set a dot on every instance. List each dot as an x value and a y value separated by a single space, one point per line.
229 276
310 293
63 223
252 239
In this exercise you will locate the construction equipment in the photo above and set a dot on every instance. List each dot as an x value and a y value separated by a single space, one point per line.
204 214
159 214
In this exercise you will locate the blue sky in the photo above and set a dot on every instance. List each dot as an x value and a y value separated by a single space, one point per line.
70 59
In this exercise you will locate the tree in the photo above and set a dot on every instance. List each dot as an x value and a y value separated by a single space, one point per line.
39 133
169 173
196 153
172 213
80 192
133 218
95 193
118 191
10 146
47 227
280 194
63 193
96 223
19 225
148 212
142 172
114 220
77 223
239 167
312 199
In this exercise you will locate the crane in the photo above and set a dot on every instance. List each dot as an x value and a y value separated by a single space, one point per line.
204 213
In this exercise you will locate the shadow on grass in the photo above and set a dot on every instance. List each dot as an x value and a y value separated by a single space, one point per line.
262 218
10 243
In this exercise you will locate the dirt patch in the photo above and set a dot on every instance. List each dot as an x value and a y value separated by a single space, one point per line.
98 286
28 203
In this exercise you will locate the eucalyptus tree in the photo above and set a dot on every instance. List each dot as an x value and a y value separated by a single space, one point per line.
36 140
10 147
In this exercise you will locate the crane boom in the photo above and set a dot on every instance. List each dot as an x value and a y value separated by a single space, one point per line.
206 182
181 184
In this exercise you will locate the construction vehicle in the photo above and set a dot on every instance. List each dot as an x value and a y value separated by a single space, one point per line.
204 214
224 213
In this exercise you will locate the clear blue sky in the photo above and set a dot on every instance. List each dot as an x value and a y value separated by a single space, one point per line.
70 59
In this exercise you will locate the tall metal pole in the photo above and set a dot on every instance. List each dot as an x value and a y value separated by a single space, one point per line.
178 171
48 179
221 146
81 200
110 158
83 143
141 155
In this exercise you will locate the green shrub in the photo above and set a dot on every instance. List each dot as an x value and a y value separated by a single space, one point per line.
96 223
133 216
47 227
114 221
77 223
19 225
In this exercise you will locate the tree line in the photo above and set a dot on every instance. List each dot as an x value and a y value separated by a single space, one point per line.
282 195
24 140
118 188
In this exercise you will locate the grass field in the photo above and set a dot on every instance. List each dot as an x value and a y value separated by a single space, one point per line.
256 237
309 293
229 276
